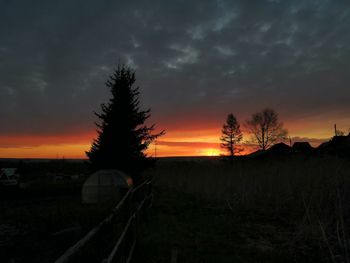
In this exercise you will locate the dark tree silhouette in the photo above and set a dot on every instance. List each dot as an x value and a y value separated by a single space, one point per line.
123 136
266 128
231 136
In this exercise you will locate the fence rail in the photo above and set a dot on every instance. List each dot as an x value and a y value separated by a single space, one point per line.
121 225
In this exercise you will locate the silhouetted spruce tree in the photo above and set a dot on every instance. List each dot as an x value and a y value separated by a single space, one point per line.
123 136
231 136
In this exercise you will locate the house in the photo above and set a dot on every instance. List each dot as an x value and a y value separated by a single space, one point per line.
338 145
277 150
280 148
9 176
302 147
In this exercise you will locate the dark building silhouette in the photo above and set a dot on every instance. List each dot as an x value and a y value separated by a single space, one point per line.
277 150
302 147
338 145
280 148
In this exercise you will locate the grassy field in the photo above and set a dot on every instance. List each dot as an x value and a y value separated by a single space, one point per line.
205 210
285 210
36 228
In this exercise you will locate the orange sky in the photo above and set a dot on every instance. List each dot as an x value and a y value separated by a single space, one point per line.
201 142
194 66
35 147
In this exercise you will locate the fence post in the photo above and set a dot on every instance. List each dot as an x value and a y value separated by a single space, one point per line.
134 204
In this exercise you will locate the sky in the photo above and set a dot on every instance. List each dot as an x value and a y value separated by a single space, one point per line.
196 61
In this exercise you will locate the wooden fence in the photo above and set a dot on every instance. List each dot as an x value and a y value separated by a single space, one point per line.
115 238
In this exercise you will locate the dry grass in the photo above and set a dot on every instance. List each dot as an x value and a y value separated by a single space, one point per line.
309 195
30 226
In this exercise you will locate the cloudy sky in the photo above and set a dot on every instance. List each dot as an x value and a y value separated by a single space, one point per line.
195 61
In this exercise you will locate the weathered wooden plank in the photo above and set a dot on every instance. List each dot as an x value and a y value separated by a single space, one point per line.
120 240
77 246
131 252
71 252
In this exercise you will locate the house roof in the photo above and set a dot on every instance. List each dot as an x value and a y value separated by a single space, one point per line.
275 150
280 148
302 146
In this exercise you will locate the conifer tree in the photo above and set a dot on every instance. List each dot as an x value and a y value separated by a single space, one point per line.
123 135
231 136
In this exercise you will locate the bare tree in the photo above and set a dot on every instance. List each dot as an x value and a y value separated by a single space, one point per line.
266 128
231 135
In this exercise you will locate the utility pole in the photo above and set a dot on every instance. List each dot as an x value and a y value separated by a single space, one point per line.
335 129
155 148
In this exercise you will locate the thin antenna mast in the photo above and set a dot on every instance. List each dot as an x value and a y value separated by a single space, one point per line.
335 129
155 148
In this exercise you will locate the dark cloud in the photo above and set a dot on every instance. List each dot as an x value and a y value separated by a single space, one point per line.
199 57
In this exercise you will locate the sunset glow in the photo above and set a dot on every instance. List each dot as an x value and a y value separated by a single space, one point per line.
174 143
230 120
211 152
195 62
71 151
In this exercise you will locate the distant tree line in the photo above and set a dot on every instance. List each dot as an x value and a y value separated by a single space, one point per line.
264 127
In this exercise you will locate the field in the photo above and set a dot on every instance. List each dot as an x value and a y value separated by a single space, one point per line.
38 224
41 229
281 210
293 209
